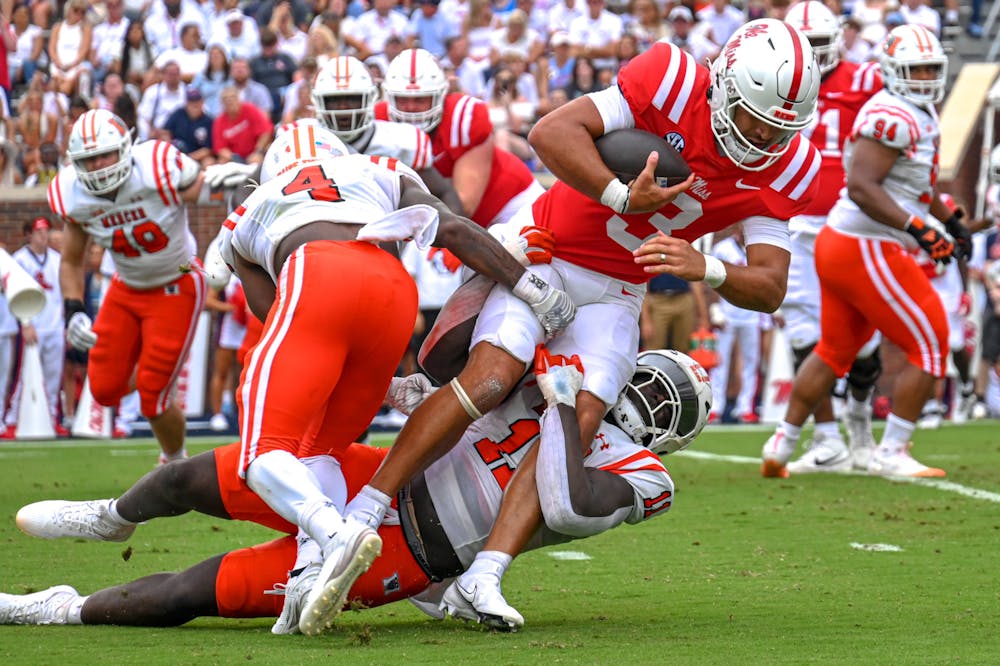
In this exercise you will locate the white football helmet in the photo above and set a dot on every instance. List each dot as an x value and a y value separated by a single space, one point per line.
913 46
98 132
822 28
415 73
768 69
666 403
300 144
344 97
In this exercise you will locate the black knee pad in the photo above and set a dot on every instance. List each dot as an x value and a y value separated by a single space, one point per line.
800 355
865 371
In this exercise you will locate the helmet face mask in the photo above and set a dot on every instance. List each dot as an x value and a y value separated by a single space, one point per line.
95 134
666 403
344 97
822 28
767 69
415 75
907 49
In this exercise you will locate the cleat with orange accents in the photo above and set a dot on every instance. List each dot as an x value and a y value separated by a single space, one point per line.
775 454
901 463
772 469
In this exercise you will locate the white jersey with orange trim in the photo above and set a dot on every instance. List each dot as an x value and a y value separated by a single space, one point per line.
913 131
146 224
468 483
352 189
407 143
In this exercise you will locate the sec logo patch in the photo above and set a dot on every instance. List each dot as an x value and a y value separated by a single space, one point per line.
675 140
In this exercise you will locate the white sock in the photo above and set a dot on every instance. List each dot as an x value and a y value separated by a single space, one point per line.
75 609
857 408
115 516
181 454
490 563
951 16
829 430
897 433
791 432
369 506
308 551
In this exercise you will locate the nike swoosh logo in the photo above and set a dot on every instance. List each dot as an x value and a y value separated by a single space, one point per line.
740 185
827 461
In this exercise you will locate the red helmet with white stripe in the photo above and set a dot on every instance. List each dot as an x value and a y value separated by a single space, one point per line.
910 46
768 69
344 97
821 28
95 133
415 87
301 144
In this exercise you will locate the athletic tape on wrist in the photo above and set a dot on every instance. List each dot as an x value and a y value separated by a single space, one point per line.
465 400
715 272
615 196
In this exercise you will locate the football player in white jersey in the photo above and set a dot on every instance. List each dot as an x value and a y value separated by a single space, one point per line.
868 279
132 201
46 328
338 323
445 513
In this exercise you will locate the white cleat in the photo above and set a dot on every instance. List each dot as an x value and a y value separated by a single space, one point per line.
54 519
353 549
900 463
774 455
825 454
218 423
429 601
49 606
480 600
931 418
859 437
296 590
962 412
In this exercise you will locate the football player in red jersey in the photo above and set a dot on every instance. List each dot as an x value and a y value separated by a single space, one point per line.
885 210
492 183
845 88
749 165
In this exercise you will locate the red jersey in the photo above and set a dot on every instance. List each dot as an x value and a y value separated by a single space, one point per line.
668 95
841 96
465 125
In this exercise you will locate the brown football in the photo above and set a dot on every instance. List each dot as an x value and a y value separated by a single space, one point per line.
624 152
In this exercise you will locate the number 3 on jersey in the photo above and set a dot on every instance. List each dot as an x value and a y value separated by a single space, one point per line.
688 209
311 179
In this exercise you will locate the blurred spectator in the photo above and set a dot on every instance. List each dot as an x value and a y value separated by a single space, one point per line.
125 108
7 127
295 98
189 56
918 12
69 48
29 50
671 311
628 48
47 167
8 336
213 79
516 38
291 40
35 126
457 9
561 62
77 107
159 101
242 132
538 16
778 9
109 35
379 23
250 91
136 61
322 45
42 13
722 18
165 23
595 35
870 15
854 48
272 69
110 89
468 75
687 38
645 22
478 30
241 36
230 303
562 14
508 123
430 29
9 173
584 79
190 128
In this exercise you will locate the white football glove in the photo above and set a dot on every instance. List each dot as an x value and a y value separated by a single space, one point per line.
559 378
228 175
407 393
79 333
217 272
552 306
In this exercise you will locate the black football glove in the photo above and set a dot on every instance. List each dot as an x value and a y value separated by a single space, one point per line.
963 239
933 242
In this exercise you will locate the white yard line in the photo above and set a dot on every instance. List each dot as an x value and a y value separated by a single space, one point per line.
947 486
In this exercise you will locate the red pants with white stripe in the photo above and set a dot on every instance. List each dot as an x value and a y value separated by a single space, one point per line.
868 284
339 326
146 331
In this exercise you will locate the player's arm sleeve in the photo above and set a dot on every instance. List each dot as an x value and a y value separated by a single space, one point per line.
614 109
577 501
768 231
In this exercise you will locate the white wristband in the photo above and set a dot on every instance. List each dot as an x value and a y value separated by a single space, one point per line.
715 272
615 196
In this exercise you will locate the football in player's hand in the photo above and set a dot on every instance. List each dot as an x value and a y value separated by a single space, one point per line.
625 151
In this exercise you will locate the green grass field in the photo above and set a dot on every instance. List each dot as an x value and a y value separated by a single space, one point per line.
741 570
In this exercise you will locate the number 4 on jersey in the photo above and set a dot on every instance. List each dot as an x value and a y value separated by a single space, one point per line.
311 179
